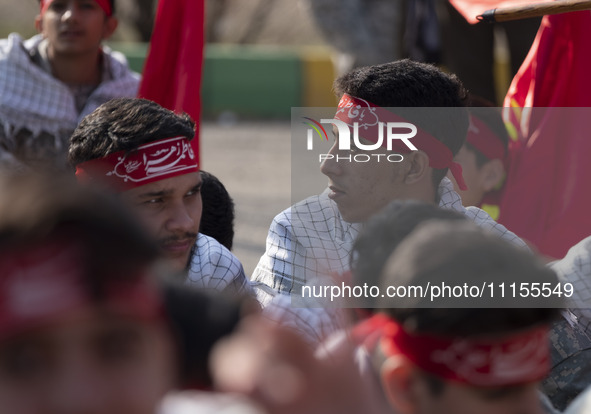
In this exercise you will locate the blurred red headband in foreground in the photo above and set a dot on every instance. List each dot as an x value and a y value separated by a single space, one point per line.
45 281
483 362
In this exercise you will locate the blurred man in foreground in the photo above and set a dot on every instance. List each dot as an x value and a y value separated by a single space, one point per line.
82 327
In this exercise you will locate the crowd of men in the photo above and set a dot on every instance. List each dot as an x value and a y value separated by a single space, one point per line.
119 292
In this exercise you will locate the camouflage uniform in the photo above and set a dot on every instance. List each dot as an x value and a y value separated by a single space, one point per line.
571 362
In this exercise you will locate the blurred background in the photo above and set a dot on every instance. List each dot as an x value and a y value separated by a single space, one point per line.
262 58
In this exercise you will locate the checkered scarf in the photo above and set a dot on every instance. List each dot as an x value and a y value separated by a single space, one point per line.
310 239
33 99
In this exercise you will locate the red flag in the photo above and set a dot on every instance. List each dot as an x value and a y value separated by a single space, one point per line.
172 72
546 199
472 8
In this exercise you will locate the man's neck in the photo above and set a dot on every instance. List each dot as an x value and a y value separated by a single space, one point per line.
83 69
425 193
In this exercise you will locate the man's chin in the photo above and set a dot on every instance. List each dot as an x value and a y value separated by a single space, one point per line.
350 217
179 260
178 263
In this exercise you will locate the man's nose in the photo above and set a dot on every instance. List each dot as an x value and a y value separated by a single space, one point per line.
330 166
180 219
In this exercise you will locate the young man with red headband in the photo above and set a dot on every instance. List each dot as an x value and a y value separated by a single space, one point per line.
142 151
314 238
51 81
421 357
452 358
482 158
82 322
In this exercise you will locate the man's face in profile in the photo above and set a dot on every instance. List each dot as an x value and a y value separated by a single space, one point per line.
361 189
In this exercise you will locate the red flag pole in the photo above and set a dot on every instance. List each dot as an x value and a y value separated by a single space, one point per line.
173 68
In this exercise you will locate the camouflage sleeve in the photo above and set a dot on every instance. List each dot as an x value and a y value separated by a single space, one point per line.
571 363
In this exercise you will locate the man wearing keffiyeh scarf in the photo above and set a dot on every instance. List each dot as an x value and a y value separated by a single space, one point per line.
314 238
50 82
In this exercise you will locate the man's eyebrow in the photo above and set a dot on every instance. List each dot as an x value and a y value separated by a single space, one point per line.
161 193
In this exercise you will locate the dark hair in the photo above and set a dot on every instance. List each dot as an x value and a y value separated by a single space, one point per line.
112 2
493 120
408 84
217 219
384 232
123 124
458 253
113 246
199 318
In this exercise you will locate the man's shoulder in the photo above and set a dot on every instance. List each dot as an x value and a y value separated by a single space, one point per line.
449 199
13 48
118 64
214 266
209 250
307 209
316 216
571 354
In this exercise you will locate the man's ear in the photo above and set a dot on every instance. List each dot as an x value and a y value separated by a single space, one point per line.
492 174
397 375
418 166
39 23
110 26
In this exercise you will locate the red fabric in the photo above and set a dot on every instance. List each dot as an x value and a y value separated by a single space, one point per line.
546 198
472 8
105 5
124 170
173 68
484 362
40 283
369 118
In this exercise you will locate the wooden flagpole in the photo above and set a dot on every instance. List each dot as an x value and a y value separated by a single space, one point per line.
533 10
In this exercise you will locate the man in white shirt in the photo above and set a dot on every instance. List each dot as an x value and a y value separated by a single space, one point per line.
314 238
142 151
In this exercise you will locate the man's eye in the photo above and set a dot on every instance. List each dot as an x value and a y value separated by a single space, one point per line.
88 4
193 192
57 6
153 201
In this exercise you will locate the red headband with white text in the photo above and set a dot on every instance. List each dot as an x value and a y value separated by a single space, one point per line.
483 362
155 161
104 4
369 117
42 282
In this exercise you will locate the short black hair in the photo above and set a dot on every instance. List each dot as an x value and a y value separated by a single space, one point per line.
198 318
384 232
409 84
458 253
123 124
217 217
